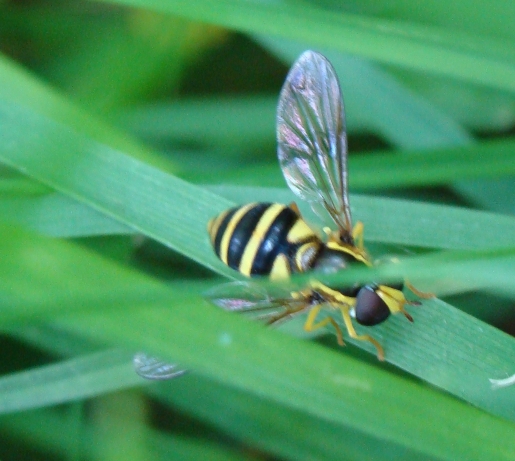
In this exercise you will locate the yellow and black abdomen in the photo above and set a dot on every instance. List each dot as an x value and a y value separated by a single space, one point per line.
264 239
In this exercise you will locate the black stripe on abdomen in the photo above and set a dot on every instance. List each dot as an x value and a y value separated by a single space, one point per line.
274 242
243 232
221 230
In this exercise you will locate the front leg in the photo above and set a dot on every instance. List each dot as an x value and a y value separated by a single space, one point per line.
344 309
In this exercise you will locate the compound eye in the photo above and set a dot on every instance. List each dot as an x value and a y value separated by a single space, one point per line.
370 309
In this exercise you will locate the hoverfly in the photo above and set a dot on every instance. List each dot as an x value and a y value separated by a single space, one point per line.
271 239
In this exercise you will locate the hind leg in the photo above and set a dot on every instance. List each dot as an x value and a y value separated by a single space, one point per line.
420 294
290 311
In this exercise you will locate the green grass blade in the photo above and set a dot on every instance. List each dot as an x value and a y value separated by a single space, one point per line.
403 222
386 220
468 56
59 216
17 86
478 108
245 416
326 384
67 173
79 378
238 122
137 195
441 346
117 65
483 160
21 187
99 437
236 412
342 391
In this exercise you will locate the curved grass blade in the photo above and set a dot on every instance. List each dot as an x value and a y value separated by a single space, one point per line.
123 187
442 345
404 222
468 56
78 378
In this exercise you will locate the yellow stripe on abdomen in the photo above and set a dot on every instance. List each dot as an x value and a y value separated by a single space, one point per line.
257 237
300 232
224 246
214 224
280 269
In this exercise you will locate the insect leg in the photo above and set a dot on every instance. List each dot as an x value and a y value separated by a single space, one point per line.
288 312
395 300
310 324
420 294
352 332
295 208
357 235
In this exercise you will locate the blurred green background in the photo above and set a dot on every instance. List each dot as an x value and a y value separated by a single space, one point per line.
125 125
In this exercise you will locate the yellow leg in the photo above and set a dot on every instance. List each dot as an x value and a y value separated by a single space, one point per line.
395 300
357 235
310 324
352 332
420 294
295 208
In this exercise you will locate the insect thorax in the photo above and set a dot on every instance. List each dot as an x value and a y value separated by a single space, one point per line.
332 260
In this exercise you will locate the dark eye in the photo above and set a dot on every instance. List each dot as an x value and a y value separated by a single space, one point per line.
370 308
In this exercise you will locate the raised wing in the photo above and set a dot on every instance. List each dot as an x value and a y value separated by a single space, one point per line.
312 141
152 368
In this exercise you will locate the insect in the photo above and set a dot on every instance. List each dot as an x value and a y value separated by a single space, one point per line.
271 239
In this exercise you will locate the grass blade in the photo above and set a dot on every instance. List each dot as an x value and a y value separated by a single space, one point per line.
476 58
79 378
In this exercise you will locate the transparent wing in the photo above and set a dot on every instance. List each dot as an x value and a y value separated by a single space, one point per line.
312 141
270 304
152 368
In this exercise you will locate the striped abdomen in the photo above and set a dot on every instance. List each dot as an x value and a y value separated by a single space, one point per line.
264 239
